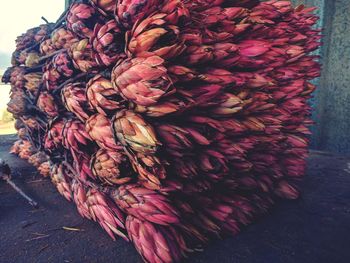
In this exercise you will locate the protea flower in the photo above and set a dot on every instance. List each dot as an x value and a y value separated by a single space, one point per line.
150 169
19 124
6 77
26 150
38 158
58 70
102 96
79 197
154 36
46 103
17 58
43 31
17 79
61 179
177 139
182 74
31 122
228 104
83 56
228 211
33 36
81 164
129 11
216 15
106 5
169 106
155 243
185 169
32 59
267 12
74 99
18 105
47 47
196 226
146 204
44 169
142 80
63 38
111 167
75 137
53 138
202 124
81 19
17 93
159 34
256 54
108 41
21 57
295 165
199 5
218 53
243 3
63 64
220 25
104 212
177 12
25 40
16 147
99 128
213 164
22 133
51 77
33 81
133 131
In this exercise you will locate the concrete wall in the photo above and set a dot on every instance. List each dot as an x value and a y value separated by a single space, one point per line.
332 100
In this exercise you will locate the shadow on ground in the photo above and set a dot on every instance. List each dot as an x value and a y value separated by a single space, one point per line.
313 229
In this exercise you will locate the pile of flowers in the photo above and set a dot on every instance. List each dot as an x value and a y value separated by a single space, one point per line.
170 123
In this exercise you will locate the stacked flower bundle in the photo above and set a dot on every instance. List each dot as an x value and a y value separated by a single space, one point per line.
171 122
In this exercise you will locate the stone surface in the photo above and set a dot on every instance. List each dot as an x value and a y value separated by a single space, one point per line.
313 229
332 99
333 102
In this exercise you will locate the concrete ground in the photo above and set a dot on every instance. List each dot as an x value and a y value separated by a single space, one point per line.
313 229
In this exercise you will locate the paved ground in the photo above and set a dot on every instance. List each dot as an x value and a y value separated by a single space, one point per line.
314 229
